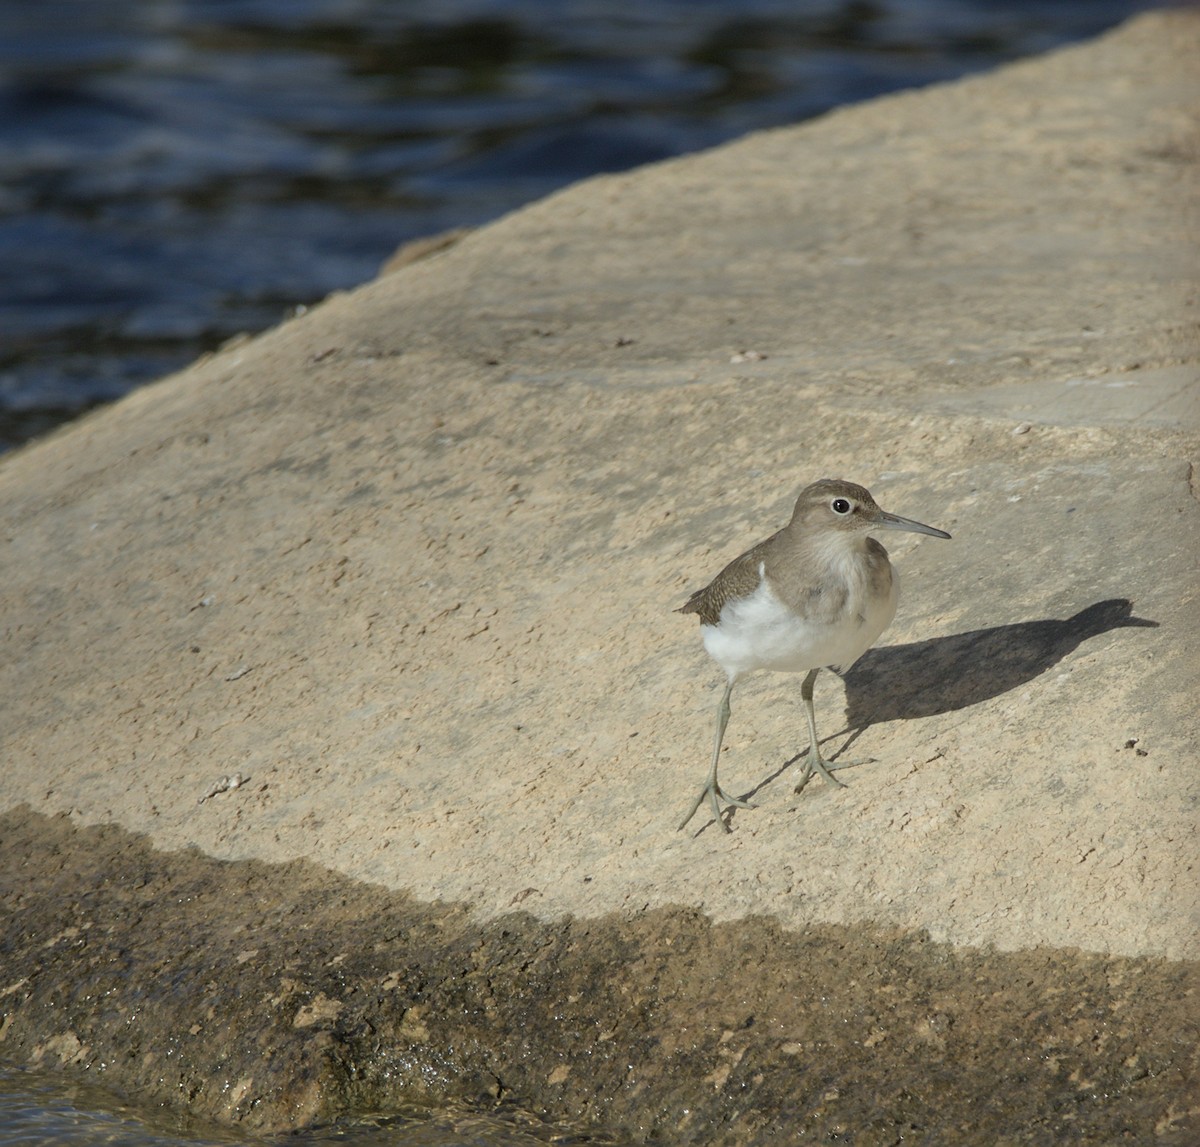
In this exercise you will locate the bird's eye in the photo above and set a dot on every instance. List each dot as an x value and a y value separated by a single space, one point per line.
840 506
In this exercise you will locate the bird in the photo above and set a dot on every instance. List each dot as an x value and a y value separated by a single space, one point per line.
816 594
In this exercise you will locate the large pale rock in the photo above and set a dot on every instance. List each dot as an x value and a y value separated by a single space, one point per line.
408 562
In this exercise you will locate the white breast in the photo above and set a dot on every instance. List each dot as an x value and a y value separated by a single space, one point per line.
760 632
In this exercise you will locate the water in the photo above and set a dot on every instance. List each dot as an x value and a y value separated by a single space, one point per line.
37 1110
174 172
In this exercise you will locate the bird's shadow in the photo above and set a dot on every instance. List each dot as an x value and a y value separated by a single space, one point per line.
925 678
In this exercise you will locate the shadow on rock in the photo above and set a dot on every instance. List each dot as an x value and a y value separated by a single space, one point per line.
924 678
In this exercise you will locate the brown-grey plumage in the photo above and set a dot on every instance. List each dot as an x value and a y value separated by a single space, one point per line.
817 593
738 579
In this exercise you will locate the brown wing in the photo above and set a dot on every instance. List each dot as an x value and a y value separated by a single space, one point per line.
738 579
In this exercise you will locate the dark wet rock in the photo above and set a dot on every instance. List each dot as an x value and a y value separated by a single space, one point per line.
277 996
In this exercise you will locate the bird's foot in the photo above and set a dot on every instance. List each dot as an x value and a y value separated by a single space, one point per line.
714 794
815 763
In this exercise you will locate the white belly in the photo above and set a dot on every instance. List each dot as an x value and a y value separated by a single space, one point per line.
759 632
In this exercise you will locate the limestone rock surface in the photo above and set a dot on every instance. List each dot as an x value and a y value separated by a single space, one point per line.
407 563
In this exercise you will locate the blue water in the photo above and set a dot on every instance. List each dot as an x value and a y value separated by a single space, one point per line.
173 172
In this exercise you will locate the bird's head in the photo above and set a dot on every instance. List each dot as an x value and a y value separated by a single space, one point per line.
835 505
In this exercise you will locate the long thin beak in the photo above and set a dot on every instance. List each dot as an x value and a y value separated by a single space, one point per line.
887 521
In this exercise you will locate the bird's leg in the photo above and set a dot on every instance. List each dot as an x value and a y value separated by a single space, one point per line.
814 762
711 789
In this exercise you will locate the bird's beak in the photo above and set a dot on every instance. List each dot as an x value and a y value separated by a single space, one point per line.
887 521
